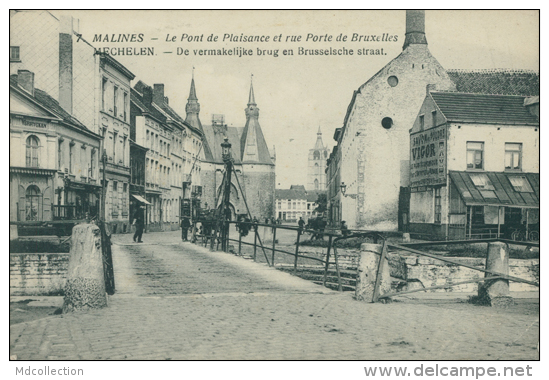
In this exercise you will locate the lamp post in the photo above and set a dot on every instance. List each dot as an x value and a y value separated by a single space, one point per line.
104 186
343 187
225 208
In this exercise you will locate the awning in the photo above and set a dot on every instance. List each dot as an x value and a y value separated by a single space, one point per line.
509 189
141 199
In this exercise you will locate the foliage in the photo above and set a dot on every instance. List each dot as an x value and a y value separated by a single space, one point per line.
322 202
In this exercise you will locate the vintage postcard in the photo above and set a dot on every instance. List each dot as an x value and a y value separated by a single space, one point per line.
275 185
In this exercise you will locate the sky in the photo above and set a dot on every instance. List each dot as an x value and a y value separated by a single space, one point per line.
298 94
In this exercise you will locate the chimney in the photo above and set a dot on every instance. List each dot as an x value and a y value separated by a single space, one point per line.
415 28
166 100
147 95
65 63
430 88
25 80
158 93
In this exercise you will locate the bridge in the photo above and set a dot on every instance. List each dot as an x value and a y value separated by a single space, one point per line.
181 301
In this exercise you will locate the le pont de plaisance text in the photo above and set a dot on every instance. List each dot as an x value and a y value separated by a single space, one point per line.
246 38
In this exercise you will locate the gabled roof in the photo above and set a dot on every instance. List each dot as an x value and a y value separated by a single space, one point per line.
215 135
497 81
298 192
482 108
50 104
137 98
498 190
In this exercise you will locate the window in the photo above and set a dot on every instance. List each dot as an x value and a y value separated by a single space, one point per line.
33 203
114 138
92 163
71 151
33 145
124 151
59 154
475 155
387 122
83 166
434 118
392 80
421 122
484 185
438 206
14 54
103 93
513 156
520 184
115 100
125 106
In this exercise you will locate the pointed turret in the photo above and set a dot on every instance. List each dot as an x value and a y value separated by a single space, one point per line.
193 109
252 143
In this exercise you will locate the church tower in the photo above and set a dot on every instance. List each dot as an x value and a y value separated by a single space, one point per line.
316 168
193 119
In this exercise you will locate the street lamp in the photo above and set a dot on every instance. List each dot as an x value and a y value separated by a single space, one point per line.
343 187
226 150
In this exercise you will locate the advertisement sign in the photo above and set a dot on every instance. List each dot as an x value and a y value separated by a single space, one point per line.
428 157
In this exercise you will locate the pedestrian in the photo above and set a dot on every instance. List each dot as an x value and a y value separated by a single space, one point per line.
301 224
139 222
344 229
185 224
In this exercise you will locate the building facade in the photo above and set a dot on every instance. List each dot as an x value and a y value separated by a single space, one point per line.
373 143
253 163
316 167
93 88
54 159
173 146
295 203
474 174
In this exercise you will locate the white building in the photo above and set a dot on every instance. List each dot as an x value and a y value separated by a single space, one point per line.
294 203
474 166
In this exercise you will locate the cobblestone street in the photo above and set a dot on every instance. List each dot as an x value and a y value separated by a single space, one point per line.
179 301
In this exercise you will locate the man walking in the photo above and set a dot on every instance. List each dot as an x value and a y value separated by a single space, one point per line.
139 221
185 224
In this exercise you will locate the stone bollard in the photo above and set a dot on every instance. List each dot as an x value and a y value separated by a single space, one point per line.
496 292
368 262
85 286
406 237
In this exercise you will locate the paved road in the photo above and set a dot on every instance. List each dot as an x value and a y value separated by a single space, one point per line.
178 301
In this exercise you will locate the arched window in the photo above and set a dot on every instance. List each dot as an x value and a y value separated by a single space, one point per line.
33 144
316 184
316 155
33 203
325 154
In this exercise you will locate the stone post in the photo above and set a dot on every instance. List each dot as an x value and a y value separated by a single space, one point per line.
368 262
496 292
85 286
406 237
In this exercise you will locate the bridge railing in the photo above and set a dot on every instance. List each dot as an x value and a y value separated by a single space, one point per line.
219 236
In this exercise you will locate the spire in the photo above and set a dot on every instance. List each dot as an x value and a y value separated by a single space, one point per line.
253 148
251 100
192 93
319 145
415 28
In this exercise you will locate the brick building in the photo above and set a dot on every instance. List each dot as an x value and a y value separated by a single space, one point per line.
253 163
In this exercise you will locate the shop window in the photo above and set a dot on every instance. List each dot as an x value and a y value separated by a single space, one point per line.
513 156
33 144
475 155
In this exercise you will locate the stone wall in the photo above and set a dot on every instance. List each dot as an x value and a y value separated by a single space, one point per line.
33 274
412 272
